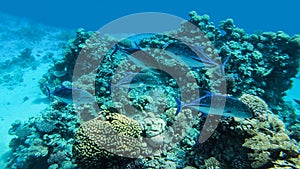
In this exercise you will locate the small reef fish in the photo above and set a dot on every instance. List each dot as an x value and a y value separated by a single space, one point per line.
232 107
193 56
72 95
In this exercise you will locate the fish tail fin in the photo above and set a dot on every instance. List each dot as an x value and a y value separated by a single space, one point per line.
48 91
116 48
204 93
179 106
222 66
137 46
111 88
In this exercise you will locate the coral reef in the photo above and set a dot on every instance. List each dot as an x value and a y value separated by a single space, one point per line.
44 141
269 140
143 131
15 76
212 163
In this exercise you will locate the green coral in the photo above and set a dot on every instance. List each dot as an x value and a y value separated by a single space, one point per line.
258 106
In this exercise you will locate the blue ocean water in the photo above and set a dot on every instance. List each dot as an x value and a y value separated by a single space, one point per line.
91 15
72 98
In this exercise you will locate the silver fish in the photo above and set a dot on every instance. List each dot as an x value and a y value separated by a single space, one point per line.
232 106
135 80
193 56
72 95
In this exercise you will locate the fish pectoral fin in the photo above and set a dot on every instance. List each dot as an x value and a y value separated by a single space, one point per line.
204 105
48 92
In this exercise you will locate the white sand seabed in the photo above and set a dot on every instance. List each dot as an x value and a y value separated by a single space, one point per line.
12 104
13 107
21 99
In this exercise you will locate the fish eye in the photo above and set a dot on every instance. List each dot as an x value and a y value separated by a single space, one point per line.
228 111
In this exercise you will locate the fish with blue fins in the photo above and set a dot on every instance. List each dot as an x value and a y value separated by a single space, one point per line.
71 95
232 107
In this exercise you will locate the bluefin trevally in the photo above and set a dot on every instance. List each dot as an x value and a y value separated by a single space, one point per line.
72 95
232 107
192 55
137 56
182 52
126 50
135 80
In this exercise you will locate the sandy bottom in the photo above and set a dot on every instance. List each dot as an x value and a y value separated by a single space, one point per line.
23 101
20 96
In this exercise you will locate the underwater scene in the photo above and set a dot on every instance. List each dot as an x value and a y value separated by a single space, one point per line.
148 90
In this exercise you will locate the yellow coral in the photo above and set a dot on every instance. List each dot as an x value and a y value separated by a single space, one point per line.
123 124
109 138
255 104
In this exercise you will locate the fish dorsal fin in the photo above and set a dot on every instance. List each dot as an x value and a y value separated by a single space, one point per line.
48 91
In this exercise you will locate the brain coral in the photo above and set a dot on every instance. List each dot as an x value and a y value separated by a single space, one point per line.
106 141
